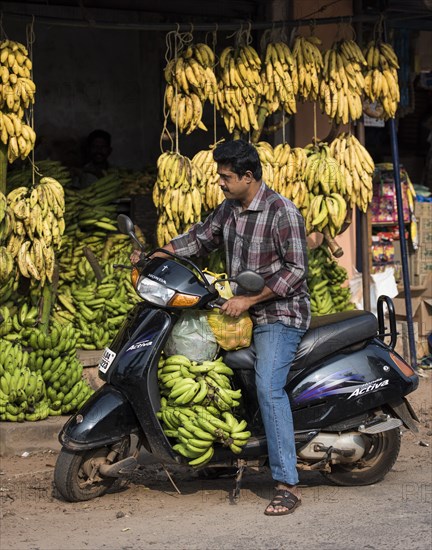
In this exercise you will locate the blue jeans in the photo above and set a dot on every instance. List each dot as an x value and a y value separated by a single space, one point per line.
276 345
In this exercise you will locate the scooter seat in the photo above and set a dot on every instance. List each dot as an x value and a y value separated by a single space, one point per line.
326 335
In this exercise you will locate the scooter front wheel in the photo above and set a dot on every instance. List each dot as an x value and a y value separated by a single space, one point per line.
381 453
76 474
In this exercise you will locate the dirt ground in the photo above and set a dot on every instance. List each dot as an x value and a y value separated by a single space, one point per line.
149 513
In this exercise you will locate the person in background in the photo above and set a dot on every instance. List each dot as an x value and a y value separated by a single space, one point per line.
98 150
263 231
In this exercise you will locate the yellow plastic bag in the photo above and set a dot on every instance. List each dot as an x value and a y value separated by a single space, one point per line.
223 287
230 333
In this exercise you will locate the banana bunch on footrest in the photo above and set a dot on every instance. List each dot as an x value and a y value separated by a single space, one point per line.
197 408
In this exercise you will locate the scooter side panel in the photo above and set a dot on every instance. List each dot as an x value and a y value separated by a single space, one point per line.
104 419
138 347
346 385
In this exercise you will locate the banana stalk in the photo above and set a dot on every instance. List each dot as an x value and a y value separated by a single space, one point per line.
3 167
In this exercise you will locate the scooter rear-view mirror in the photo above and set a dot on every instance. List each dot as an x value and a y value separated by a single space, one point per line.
250 281
126 226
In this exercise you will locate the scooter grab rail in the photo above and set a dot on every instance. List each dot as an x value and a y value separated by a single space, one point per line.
381 320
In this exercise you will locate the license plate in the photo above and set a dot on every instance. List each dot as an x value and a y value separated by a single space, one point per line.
106 360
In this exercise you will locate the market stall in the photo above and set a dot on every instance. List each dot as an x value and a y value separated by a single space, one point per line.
58 243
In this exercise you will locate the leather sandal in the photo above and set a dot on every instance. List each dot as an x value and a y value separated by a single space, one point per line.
283 498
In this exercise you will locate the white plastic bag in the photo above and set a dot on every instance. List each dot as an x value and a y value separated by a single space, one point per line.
381 284
193 337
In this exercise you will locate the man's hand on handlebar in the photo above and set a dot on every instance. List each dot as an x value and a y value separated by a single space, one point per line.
135 257
236 305
137 254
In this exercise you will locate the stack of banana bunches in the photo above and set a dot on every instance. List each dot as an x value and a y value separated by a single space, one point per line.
199 408
41 226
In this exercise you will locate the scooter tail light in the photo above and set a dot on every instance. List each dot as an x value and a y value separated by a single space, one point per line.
403 366
183 300
134 277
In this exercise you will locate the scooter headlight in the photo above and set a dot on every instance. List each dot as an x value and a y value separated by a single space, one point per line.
154 292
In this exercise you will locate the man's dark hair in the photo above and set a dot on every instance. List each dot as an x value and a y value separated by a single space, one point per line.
99 134
241 156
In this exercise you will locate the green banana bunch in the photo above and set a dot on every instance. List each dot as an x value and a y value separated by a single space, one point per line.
54 357
326 185
96 308
21 390
8 288
196 407
327 283
21 176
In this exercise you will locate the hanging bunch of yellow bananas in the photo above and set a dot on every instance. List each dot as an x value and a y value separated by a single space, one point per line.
186 111
7 264
342 82
279 78
33 226
289 169
208 178
324 179
192 70
190 82
18 136
381 80
357 168
239 88
176 195
266 156
309 63
17 91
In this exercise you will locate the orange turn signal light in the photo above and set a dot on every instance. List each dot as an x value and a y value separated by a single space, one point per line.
403 366
134 276
183 300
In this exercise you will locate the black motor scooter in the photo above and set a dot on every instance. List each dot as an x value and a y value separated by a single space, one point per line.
347 390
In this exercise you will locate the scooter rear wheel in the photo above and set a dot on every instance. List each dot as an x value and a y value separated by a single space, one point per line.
72 474
381 454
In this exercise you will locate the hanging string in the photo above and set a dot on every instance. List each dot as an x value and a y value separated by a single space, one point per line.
283 126
214 42
175 42
30 39
165 131
338 30
312 27
379 29
283 35
315 123
265 39
292 36
249 34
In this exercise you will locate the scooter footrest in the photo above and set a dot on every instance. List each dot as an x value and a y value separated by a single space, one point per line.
389 424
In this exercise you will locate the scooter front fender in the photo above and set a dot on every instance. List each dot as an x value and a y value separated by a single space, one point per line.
103 420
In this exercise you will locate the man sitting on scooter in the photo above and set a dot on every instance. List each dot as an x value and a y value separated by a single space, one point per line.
262 231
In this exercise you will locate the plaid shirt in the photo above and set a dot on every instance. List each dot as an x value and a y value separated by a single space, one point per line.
269 238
